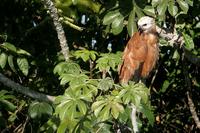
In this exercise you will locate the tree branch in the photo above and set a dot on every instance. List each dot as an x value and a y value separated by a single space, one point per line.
175 38
59 29
25 90
192 110
134 119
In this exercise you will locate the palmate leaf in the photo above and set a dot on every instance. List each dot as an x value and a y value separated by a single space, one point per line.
105 84
38 109
5 95
70 105
134 93
85 54
67 68
107 106
147 111
108 61
73 79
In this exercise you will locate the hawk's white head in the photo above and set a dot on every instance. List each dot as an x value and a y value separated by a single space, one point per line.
146 24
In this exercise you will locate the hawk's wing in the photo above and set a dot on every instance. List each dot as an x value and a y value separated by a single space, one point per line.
133 56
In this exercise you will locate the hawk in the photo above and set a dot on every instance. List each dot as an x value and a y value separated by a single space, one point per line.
141 52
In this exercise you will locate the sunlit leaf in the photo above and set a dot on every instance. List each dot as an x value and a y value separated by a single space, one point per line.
110 17
149 10
117 24
11 63
105 84
131 23
23 65
161 9
67 67
183 5
3 59
172 8
9 46
23 52
189 44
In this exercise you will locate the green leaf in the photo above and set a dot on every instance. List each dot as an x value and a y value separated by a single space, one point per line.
172 8
38 109
97 107
7 105
3 59
183 5
74 2
131 23
161 9
67 68
110 17
147 111
105 113
190 2
23 52
105 84
11 64
23 65
9 46
176 55
154 3
138 11
165 86
116 110
82 107
117 24
149 10
189 44
5 95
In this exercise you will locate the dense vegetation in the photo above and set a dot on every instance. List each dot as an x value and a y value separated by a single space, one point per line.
43 91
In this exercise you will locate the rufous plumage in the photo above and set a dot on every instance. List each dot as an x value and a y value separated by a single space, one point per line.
141 52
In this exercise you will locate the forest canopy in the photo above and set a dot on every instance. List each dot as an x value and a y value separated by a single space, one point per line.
59 62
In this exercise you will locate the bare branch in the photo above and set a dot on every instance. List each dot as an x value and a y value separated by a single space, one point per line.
134 119
192 110
25 90
59 29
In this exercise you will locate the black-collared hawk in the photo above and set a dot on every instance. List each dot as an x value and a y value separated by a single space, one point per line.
141 52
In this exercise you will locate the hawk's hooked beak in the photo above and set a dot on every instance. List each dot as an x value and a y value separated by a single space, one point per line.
140 29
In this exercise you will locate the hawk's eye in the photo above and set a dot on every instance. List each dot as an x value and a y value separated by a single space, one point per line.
144 24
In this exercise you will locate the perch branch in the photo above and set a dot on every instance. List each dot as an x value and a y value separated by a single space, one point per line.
59 29
175 38
25 90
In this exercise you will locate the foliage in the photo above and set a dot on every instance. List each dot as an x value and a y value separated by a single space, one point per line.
88 95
